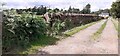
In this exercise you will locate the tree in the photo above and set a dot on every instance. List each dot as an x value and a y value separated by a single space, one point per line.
65 11
101 11
29 9
56 10
43 10
70 10
106 10
75 10
49 10
34 9
115 10
39 10
61 10
86 10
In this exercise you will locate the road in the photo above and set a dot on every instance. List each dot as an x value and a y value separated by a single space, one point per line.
80 43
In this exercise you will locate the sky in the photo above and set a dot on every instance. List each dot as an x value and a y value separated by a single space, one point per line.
61 4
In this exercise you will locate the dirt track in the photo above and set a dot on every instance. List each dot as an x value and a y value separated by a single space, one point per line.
80 43
107 43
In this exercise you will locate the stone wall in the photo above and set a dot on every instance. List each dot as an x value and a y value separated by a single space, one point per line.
75 18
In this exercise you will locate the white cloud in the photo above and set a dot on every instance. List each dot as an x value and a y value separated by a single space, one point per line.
95 4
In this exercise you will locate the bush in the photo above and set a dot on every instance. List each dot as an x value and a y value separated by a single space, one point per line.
55 26
18 31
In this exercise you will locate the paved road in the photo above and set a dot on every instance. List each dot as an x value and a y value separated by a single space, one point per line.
77 44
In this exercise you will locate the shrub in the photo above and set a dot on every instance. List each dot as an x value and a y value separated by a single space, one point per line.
55 26
18 31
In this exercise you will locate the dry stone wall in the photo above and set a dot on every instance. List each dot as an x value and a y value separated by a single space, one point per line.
75 18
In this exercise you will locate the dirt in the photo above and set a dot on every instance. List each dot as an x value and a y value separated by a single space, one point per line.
108 42
80 43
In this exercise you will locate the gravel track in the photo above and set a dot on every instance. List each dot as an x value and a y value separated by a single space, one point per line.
80 43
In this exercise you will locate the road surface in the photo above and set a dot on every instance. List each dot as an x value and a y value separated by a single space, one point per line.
80 43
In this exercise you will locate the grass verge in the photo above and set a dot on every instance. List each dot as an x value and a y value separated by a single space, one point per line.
77 29
96 35
117 26
45 41
35 45
115 22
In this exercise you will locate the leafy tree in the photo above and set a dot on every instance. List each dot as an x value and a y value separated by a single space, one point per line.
61 10
43 10
86 10
70 10
56 10
75 10
65 11
34 9
115 10
49 10
19 11
40 10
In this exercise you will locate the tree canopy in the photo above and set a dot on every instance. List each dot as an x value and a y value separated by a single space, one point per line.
115 10
86 9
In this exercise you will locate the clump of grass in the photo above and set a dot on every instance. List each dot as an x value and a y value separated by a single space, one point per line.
77 29
97 34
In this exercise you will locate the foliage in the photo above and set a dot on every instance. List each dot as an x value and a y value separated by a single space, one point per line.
55 26
41 42
115 10
18 31
68 24
73 10
38 10
70 10
86 10
56 10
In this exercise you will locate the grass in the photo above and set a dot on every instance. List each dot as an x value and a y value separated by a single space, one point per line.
117 26
38 44
45 41
77 29
97 34
115 22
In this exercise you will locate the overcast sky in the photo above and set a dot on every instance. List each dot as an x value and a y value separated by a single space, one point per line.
64 4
